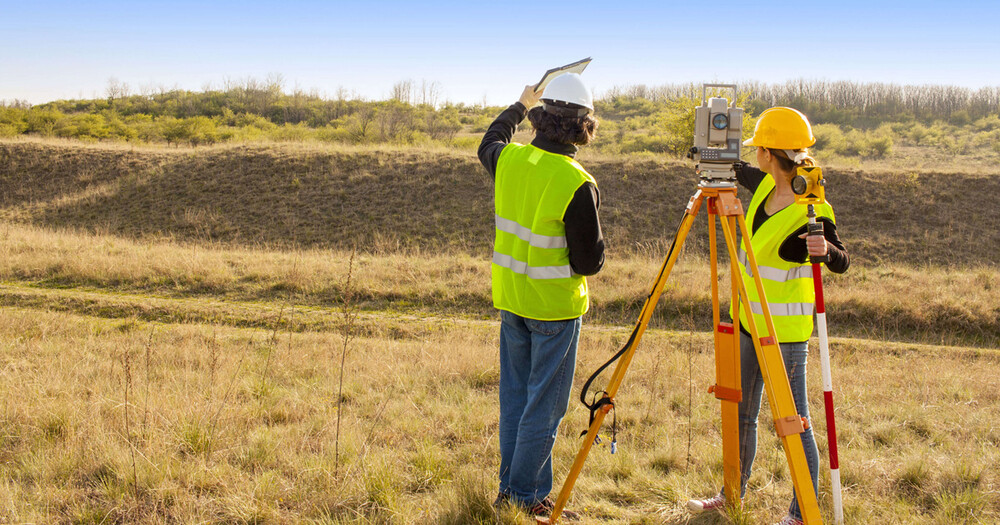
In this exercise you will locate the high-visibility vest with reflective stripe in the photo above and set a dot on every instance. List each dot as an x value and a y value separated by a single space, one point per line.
532 276
788 286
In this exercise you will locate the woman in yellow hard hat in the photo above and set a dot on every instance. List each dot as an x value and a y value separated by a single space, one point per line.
782 249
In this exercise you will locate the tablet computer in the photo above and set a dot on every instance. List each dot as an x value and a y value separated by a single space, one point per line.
575 67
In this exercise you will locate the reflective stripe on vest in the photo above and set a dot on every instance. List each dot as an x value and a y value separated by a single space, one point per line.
776 274
788 286
783 309
534 272
532 276
526 235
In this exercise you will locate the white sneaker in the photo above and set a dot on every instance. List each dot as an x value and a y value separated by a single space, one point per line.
788 520
702 505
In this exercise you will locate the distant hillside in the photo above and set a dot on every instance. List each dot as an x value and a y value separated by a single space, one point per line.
388 199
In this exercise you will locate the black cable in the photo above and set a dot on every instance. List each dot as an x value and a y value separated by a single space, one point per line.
595 405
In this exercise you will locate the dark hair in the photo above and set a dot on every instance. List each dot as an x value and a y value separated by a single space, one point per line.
563 130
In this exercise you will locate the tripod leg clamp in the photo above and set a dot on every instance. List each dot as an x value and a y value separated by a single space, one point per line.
694 203
726 394
787 426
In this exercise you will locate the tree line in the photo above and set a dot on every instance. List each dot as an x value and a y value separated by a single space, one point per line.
846 103
247 110
862 119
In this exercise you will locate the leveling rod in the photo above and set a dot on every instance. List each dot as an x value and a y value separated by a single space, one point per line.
816 228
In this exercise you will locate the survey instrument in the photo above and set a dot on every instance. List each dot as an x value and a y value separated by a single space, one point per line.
809 186
718 135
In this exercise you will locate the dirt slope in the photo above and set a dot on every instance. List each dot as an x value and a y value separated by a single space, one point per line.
411 198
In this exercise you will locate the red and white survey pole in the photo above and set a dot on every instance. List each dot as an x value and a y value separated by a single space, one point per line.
824 357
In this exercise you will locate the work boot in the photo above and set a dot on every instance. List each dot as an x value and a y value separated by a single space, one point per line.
501 499
788 520
544 509
703 505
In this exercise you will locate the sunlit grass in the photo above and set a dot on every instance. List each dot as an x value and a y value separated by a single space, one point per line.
419 441
942 305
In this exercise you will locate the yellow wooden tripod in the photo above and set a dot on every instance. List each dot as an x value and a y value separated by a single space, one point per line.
722 201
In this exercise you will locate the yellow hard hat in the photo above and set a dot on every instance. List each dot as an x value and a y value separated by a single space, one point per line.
782 128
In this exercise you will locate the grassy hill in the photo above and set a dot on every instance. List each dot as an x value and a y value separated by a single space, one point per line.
418 199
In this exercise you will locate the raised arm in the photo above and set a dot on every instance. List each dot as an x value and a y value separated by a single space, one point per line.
501 131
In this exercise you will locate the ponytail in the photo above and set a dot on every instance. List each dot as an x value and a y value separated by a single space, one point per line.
789 159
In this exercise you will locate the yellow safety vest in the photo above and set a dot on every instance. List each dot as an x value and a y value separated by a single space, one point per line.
532 276
788 286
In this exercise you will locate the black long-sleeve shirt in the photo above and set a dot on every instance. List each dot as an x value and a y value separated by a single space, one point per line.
583 226
794 249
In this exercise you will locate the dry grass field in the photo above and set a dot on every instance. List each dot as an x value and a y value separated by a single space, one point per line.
164 362
126 421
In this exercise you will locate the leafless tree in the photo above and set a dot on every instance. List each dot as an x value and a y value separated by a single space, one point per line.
430 92
15 103
402 91
116 90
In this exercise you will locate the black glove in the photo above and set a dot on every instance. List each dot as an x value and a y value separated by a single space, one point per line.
738 167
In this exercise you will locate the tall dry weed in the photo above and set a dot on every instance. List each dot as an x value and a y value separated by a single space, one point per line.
126 360
349 315
230 386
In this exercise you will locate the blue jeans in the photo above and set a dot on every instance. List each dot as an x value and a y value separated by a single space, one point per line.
795 355
537 360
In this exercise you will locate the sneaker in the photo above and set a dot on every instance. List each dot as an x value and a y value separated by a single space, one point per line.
788 520
703 505
501 499
544 508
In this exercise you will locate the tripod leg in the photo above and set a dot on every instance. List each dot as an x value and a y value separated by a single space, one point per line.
779 392
619 374
727 376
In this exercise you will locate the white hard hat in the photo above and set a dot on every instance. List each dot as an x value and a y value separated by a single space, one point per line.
569 88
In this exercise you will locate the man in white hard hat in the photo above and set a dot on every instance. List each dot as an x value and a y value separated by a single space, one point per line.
548 238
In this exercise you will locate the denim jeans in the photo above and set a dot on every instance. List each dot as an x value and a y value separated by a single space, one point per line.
795 355
537 360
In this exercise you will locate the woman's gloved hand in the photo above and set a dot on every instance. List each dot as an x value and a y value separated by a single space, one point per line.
738 167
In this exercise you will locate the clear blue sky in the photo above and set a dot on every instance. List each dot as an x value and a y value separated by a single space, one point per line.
487 50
